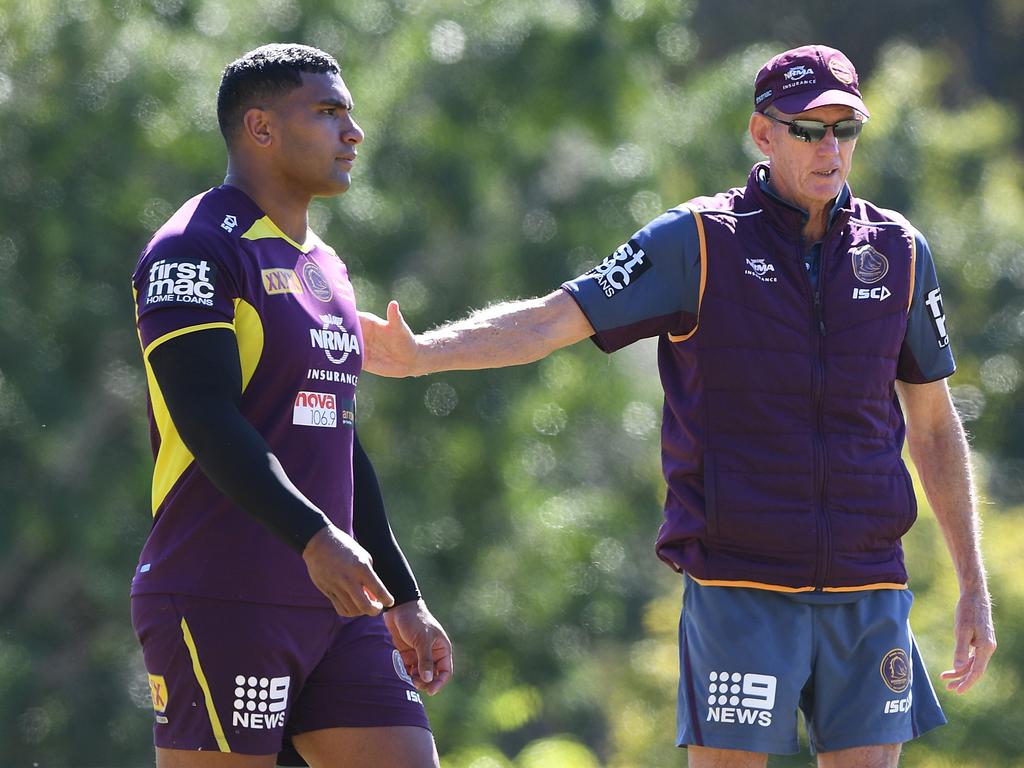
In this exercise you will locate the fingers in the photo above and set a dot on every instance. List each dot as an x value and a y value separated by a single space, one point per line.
444 665
968 665
373 588
363 596
342 604
960 679
395 314
962 651
425 657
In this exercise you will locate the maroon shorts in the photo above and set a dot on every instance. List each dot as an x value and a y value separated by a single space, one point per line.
245 677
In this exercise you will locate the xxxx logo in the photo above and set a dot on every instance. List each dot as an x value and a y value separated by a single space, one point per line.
158 693
281 281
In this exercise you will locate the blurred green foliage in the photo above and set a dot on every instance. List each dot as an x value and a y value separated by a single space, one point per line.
510 144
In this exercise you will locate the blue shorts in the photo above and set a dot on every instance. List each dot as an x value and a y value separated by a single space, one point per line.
246 677
750 658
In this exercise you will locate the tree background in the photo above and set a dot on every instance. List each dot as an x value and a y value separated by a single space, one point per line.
510 144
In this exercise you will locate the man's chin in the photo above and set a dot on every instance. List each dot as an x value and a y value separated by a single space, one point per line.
825 193
338 185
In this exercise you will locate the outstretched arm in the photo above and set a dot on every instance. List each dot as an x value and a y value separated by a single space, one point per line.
939 450
510 333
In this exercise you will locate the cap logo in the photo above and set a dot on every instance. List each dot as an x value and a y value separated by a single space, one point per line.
798 73
841 71
762 96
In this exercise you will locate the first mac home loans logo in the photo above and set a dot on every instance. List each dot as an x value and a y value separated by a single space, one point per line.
184 282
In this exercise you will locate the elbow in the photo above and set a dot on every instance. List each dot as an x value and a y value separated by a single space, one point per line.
206 433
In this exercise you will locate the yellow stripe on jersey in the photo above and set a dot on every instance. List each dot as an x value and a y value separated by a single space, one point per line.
173 458
249 332
913 270
793 590
703 276
197 668
264 228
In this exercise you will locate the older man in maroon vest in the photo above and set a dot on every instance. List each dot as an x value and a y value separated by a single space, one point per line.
801 337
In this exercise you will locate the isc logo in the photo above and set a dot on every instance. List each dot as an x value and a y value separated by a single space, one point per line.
881 293
896 706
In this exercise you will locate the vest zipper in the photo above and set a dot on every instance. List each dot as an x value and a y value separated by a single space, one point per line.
818 332
825 529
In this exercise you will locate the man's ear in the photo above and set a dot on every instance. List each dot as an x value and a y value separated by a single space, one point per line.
256 127
761 132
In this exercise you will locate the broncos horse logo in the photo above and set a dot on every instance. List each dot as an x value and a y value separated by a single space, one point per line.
869 266
895 670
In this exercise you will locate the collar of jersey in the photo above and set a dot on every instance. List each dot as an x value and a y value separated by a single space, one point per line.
265 227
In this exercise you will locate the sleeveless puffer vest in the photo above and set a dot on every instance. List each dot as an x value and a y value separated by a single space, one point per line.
782 432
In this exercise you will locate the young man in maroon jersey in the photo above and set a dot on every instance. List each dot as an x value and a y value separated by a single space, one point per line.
259 591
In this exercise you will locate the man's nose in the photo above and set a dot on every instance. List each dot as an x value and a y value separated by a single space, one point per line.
352 134
829 143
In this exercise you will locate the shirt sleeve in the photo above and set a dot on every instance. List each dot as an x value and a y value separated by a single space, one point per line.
184 282
925 355
648 287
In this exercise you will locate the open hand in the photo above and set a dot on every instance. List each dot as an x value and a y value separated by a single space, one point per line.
975 641
389 346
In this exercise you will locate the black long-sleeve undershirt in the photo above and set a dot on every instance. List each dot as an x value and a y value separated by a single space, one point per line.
201 382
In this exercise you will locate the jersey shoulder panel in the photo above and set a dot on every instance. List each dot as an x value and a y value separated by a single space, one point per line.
192 269
209 224
733 200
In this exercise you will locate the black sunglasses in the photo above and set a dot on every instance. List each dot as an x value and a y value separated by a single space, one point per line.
814 130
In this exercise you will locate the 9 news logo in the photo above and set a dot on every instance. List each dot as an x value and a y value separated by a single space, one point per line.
741 698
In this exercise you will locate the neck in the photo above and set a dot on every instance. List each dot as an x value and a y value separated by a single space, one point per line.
817 223
288 210
817 214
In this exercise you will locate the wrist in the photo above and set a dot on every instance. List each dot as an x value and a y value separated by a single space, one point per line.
315 539
421 345
407 600
974 582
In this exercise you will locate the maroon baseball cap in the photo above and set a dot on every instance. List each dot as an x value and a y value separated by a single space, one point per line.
807 77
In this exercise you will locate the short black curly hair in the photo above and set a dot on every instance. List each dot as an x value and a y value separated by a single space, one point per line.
264 73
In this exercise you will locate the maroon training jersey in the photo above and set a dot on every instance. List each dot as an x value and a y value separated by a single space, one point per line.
220 262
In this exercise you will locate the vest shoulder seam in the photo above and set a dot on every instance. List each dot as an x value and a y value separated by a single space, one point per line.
879 223
703 211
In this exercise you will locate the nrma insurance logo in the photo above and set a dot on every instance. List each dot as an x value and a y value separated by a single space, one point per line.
741 698
334 339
